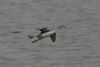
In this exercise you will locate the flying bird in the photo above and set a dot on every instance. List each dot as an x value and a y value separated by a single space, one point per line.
46 32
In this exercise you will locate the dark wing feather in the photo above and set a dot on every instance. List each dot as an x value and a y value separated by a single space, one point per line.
53 37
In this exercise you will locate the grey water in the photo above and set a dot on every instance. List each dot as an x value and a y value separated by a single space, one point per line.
76 46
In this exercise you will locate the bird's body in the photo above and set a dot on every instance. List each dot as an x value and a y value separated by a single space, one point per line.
44 35
45 32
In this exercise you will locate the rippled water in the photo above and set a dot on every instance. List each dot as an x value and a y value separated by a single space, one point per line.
77 46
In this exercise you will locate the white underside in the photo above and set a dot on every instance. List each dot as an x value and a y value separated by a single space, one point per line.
48 33
43 36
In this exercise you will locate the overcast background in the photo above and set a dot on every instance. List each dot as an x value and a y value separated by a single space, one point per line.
76 46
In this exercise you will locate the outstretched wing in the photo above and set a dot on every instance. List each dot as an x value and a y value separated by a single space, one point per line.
53 37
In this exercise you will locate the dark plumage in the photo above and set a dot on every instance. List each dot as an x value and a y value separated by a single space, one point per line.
43 30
